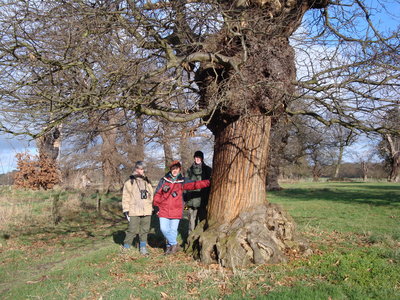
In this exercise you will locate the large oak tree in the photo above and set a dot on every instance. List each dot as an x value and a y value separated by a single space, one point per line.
230 63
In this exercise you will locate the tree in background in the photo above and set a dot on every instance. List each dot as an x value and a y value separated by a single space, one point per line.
365 160
103 147
109 155
229 63
389 147
279 140
318 151
341 139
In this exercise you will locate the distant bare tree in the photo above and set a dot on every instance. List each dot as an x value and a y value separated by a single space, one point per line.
109 155
49 144
365 159
133 140
389 148
279 139
341 138
185 151
318 157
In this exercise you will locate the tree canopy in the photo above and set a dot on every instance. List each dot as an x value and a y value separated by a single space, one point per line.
62 60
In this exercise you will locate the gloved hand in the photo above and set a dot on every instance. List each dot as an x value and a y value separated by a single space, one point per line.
126 214
166 188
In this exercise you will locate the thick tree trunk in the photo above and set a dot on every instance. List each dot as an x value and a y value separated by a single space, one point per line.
242 228
239 168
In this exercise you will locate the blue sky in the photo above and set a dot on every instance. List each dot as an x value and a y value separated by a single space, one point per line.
9 147
389 16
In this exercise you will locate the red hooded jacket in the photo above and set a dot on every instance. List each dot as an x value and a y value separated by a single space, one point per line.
169 195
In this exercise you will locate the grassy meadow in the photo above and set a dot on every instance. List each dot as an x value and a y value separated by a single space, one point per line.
353 229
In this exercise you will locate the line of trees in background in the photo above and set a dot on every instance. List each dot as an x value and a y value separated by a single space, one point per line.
100 157
302 148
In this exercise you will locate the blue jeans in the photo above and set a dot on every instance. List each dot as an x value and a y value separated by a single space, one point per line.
169 228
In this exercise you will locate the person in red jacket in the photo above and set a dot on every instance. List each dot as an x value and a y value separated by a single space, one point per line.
169 200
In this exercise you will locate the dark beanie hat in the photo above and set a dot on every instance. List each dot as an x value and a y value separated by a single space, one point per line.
199 154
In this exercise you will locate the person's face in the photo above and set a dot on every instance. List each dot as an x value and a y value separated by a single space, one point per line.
175 170
197 160
139 171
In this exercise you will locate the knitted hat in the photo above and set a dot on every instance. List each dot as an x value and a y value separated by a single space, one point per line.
175 163
199 154
140 165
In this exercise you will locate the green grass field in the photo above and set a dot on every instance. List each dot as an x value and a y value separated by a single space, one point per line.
353 228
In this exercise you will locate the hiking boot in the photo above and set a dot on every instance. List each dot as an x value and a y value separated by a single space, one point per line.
174 249
167 250
143 251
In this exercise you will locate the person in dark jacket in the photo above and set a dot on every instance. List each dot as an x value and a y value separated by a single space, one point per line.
169 200
197 200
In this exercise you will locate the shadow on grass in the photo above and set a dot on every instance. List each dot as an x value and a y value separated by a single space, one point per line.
377 195
155 237
119 237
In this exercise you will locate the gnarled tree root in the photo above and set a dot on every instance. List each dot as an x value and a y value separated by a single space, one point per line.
263 235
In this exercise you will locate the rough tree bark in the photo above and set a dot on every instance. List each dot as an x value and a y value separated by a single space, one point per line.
244 144
242 228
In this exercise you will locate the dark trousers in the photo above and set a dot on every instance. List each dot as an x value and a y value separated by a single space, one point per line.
196 215
138 226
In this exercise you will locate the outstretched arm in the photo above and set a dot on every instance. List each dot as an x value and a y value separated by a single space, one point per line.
196 185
